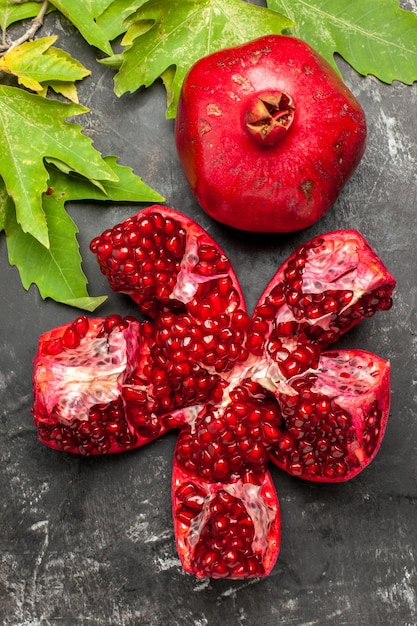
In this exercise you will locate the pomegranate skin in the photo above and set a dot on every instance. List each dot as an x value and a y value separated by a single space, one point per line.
241 171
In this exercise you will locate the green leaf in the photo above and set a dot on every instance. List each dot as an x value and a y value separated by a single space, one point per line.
128 188
6 205
33 128
183 32
83 16
36 64
114 21
55 270
375 37
115 61
11 12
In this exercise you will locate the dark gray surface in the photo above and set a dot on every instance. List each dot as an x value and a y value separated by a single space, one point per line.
90 542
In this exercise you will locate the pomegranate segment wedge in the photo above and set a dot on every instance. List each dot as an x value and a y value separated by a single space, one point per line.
327 286
226 529
86 392
167 262
242 391
79 371
332 427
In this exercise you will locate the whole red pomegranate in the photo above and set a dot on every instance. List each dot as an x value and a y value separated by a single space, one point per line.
242 390
267 134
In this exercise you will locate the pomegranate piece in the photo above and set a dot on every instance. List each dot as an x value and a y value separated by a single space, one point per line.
227 530
242 391
267 134
166 263
333 427
78 377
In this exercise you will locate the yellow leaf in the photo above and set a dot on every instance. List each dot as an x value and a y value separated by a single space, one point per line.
29 83
24 52
37 64
68 90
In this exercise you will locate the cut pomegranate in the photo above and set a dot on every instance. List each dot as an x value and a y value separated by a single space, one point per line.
242 391
166 263
333 425
79 372
227 530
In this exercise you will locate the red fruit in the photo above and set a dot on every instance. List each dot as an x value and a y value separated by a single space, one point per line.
267 134
227 530
79 373
242 391
167 262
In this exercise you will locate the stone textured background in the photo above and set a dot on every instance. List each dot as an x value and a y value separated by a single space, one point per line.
89 542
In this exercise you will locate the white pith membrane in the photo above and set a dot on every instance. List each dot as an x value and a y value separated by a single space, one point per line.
69 389
336 264
187 280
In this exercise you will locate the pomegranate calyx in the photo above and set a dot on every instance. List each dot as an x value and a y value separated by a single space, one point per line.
268 116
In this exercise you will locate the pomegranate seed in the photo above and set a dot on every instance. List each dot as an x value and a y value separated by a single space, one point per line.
185 515
221 468
240 320
270 432
111 321
70 338
208 560
53 347
81 325
255 342
285 443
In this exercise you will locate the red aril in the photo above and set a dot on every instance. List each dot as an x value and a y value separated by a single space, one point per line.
243 391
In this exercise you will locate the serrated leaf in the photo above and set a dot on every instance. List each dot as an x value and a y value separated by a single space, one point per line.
64 169
128 188
114 21
37 63
55 270
33 128
83 16
136 29
184 31
375 37
68 90
115 61
11 12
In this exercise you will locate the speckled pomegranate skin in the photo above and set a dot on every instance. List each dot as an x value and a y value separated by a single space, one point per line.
282 186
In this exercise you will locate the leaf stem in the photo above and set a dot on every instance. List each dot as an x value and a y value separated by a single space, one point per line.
29 33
